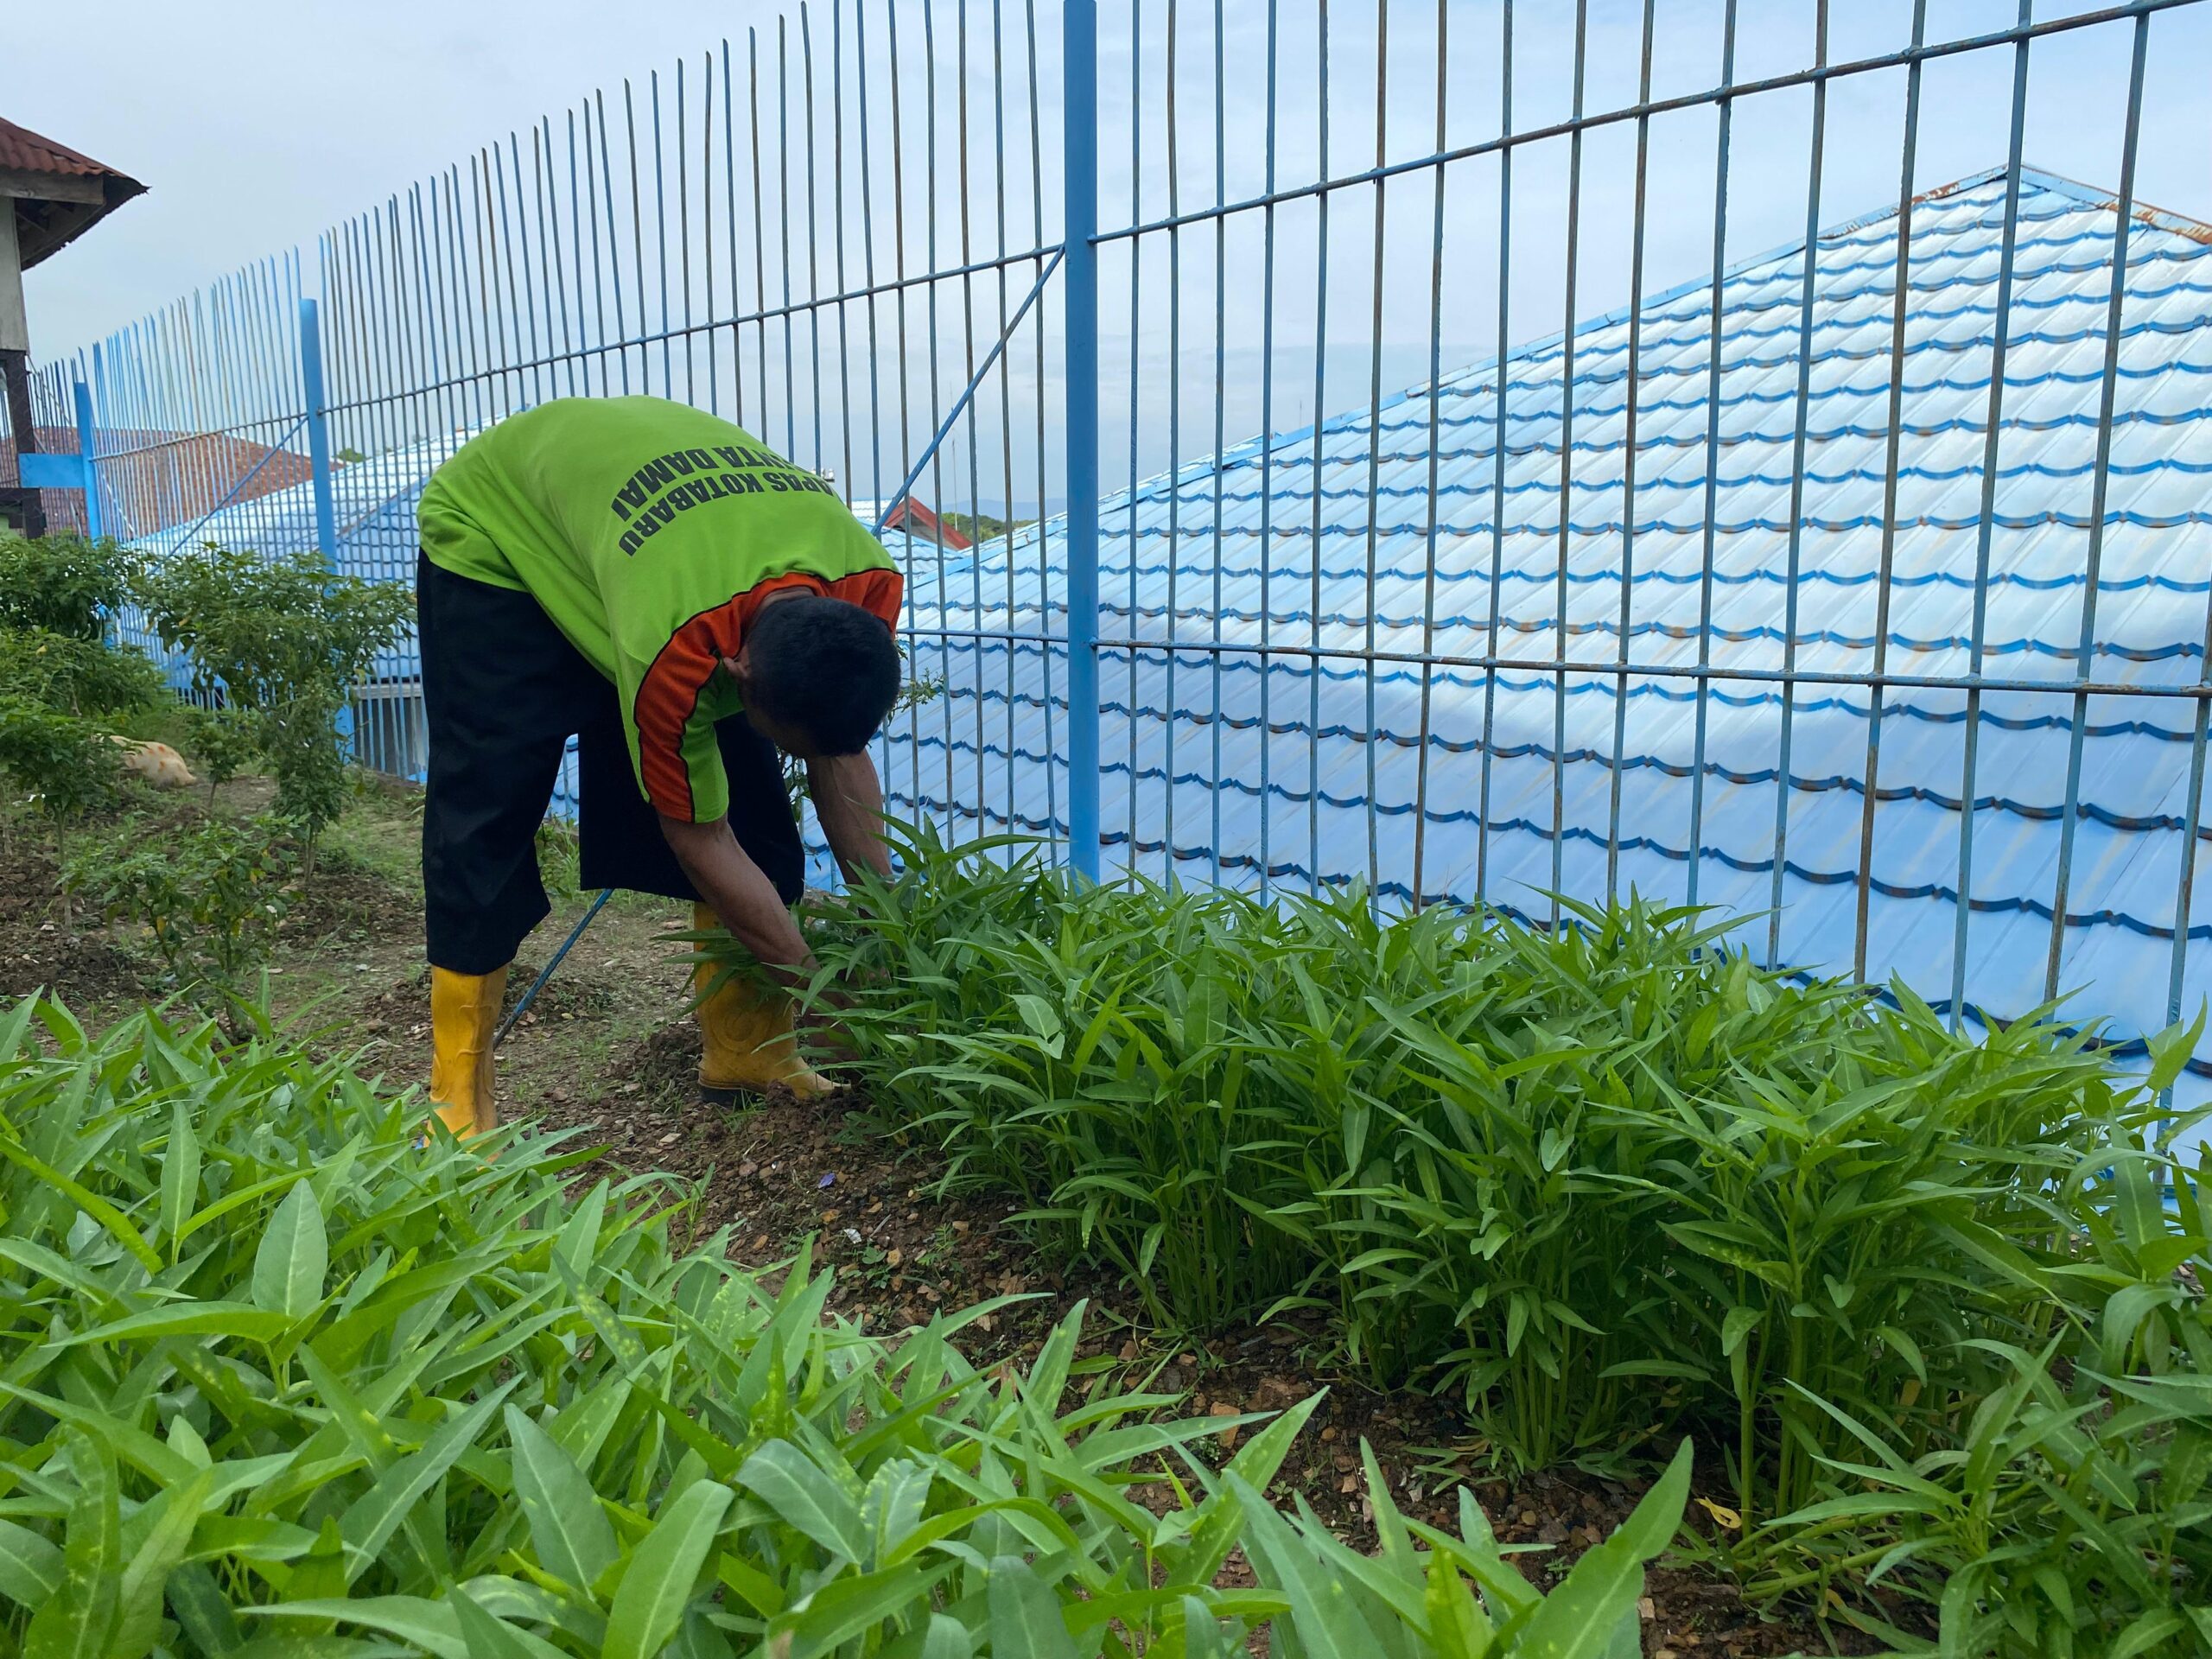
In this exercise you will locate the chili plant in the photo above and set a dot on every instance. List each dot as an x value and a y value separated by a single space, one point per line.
286 641
210 892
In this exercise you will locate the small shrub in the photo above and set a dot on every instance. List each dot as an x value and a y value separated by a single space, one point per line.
211 893
63 692
61 583
73 675
287 640
2069 1512
219 741
66 764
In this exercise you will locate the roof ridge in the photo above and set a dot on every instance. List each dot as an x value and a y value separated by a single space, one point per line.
2055 183
2035 177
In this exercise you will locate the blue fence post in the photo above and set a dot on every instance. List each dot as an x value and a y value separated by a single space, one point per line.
1079 195
93 522
326 506
326 509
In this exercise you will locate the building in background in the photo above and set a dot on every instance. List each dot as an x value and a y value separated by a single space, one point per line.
49 196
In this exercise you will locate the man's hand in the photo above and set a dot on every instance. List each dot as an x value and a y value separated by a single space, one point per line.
746 900
825 1029
849 805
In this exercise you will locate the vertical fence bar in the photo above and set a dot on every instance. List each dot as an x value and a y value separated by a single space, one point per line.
1564 553
1174 526
1220 424
1704 689
2093 568
1994 431
1313 674
326 508
1044 550
1079 213
315 409
932 457
1784 759
1496 619
1129 626
1886 567
94 521
1436 428
1375 398
1633 398
1266 662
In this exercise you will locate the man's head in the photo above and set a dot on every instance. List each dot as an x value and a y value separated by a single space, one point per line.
818 674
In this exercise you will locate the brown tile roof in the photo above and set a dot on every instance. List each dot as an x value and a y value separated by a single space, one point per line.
162 480
29 152
918 520
44 227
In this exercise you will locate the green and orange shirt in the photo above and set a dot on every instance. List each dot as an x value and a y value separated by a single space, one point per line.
651 533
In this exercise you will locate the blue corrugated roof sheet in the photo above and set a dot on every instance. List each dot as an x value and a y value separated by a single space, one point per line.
1232 545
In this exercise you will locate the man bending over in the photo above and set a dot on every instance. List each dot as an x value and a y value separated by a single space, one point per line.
659 584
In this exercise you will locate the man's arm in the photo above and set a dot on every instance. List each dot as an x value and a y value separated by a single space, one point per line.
849 803
745 899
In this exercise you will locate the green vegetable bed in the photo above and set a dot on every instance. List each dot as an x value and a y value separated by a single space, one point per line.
276 1380
1923 1290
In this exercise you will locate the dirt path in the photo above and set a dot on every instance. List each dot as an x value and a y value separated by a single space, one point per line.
608 1053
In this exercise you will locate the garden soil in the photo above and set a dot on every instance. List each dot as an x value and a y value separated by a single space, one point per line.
609 1054
42 946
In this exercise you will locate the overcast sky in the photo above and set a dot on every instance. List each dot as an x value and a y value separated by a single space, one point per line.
257 125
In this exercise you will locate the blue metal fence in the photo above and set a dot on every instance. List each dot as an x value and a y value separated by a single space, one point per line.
1380 453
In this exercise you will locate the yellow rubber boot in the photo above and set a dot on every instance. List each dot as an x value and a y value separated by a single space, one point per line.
464 1012
746 1034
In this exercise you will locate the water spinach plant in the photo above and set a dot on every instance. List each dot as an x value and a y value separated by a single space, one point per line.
275 1379
1601 1186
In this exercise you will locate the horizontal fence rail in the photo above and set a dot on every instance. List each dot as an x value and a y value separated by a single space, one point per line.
1752 457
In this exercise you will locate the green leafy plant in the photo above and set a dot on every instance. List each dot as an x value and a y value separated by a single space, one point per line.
75 676
560 855
278 1379
211 892
63 689
66 764
61 583
2069 1513
1601 1185
220 742
1596 1184
287 640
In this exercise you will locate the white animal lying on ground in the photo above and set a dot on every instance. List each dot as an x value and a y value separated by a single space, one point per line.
157 763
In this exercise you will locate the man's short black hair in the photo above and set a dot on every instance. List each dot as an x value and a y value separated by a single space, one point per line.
824 666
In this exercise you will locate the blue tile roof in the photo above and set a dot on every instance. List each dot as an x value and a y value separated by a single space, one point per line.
1232 544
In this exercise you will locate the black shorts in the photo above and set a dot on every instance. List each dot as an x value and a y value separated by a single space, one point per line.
503 691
